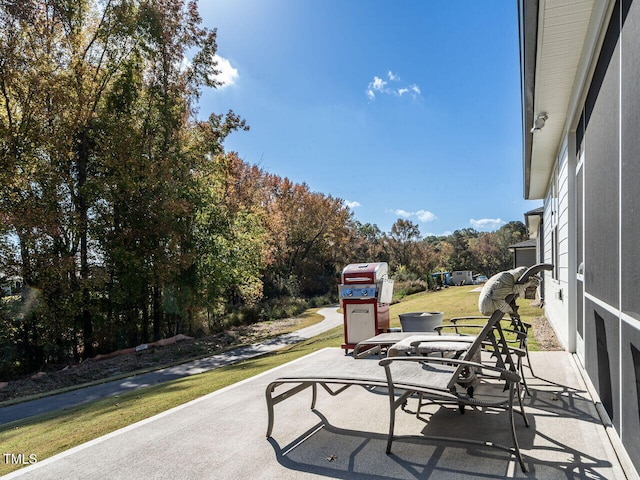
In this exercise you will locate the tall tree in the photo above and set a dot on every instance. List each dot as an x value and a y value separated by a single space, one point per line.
366 243
402 243
95 103
461 258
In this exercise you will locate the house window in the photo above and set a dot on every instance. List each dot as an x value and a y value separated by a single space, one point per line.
554 253
552 202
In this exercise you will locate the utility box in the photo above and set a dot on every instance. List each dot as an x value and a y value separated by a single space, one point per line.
365 295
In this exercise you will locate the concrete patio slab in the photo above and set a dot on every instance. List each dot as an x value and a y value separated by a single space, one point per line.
222 435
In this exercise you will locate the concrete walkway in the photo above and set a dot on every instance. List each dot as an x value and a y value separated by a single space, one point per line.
79 396
222 436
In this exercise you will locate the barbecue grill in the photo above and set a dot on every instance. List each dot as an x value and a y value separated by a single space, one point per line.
365 295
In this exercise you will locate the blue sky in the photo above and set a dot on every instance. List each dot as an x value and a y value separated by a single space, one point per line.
404 109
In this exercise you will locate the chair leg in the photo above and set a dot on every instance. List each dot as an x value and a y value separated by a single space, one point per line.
521 405
392 418
526 349
514 437
314 395
524 378
270 412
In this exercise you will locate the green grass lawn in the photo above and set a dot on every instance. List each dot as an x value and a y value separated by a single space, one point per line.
52 433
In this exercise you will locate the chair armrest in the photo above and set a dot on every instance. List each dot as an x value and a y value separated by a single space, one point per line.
508 375
518 351
467 339
455 320
456 327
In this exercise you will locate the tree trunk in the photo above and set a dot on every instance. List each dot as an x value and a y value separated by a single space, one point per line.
81 207
157 313
145 321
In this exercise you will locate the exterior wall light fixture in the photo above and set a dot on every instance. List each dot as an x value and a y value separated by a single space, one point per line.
539 122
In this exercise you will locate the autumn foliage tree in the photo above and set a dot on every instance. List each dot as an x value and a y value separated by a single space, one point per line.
98 157
313 229
120 208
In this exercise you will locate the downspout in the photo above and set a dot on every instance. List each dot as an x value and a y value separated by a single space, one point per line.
572 234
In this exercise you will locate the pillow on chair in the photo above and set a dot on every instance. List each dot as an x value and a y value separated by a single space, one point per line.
496 290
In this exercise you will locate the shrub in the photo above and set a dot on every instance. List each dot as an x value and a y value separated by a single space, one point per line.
403 288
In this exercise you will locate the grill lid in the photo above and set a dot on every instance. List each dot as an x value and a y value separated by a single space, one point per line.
365 272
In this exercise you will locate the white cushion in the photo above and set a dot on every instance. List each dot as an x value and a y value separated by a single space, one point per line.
497 289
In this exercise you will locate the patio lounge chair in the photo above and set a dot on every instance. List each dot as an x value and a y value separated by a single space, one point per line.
432 378
508 344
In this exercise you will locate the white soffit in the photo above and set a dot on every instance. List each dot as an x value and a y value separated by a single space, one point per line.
562 29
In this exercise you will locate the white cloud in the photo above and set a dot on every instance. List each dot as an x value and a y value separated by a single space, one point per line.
425 216
351 205
380 86
377 85
422 215
487 224
403 213
227 74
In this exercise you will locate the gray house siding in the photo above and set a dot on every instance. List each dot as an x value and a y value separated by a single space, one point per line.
592 207
524 253
611 147
524 257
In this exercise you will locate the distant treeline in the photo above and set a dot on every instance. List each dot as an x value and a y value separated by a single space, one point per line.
123 215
